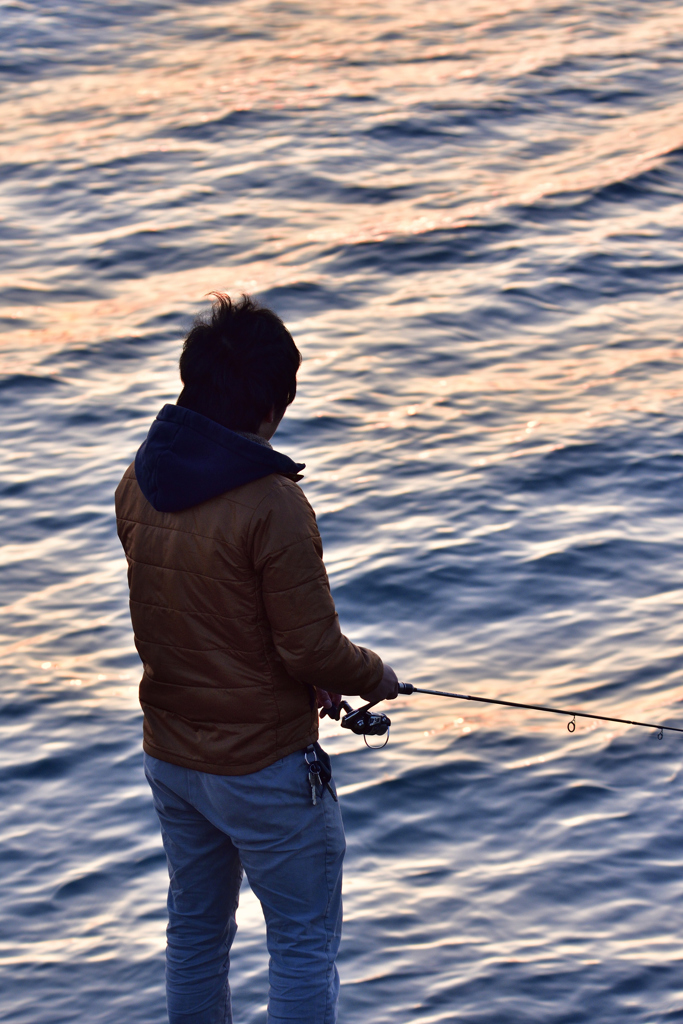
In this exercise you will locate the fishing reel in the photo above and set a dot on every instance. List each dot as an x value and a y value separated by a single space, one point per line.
362 721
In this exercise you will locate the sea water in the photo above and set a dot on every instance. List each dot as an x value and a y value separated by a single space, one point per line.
469 214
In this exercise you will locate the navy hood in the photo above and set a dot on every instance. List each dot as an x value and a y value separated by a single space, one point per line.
188 458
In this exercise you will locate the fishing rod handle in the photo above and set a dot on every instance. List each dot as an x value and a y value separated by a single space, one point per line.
405 687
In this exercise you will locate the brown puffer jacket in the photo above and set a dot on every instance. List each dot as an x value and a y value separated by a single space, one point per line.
234 622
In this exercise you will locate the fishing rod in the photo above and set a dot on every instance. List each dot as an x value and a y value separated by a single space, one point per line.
365 722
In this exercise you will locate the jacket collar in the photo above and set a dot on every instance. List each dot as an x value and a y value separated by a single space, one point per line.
188 458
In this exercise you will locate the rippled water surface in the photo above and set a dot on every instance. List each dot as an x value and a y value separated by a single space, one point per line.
469 213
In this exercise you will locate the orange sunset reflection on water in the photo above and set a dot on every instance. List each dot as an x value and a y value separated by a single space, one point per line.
248 147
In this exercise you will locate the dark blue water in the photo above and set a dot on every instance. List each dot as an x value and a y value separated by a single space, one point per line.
471 220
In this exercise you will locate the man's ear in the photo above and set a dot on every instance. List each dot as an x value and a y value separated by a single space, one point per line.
270 415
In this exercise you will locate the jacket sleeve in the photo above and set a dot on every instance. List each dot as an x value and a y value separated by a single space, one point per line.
287 554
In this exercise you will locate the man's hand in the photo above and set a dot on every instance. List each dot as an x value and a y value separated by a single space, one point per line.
386 689
326 699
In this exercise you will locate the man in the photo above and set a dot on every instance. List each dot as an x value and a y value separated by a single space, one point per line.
240 643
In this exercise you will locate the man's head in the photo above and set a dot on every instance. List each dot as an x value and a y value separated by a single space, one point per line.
238 366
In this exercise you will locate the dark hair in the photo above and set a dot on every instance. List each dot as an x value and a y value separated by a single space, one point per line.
238 363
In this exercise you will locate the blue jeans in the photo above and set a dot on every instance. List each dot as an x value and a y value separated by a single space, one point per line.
214 825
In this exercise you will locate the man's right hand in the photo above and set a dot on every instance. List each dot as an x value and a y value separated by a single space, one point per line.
386 689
